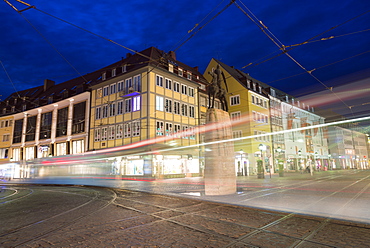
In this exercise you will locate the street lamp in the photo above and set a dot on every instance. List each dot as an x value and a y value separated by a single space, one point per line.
300 160
260 167
280 162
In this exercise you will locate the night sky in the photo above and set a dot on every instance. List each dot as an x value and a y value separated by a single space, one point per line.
53 49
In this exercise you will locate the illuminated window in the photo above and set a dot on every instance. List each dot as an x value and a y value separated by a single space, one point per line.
159 105
136 103
135 128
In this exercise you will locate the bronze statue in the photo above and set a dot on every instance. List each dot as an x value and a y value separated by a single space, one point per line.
215 89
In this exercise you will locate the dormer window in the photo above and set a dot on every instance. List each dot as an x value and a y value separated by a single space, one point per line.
13 109
170 67
4 110
50 100
15 101
104 76
248 83
114 72
260 89
254 86
188 75
24 107
124 68
181 72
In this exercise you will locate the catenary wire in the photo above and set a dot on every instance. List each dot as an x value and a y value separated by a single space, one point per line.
276 42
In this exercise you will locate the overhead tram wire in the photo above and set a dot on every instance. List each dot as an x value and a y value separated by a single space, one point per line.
116 43
11 81
335 62
201 27
253 64
197 24
29 6
281 46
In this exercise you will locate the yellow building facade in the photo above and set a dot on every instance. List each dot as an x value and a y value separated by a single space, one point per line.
150 108
249 113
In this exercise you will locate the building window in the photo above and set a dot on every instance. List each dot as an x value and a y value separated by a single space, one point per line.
97 113
136 103
191 91
168 106
128 105
168 84
159 103
119 131
184 109
176 87
168 129
6 137
184 89
120 86
105 91
170 67
235 115
13 109
135 128
176 108
234 100
128 85
111 134
105 111
104 132
137 83
176 130
188 75
113 88
184 132
97 135
112 109
237 134
192 111
180 72
127 129
159 81
119 107
253 100
159 129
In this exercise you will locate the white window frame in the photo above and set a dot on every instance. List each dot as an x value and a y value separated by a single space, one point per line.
159 103
97 113
113 89
191 91
136 103
234 100
119 131
176 87
105 91
184 89
135 128
159 80
127 130
168 105
168 83
159 127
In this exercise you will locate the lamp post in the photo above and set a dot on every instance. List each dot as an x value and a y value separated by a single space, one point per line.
316 156
280 162
300 160
260 164
329 165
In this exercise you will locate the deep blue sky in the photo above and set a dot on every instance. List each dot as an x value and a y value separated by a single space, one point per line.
230 37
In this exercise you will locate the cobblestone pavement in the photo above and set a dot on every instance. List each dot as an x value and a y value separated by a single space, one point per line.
60 216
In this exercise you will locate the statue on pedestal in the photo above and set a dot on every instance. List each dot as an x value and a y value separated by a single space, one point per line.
215 89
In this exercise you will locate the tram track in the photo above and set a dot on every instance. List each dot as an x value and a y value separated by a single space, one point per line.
58 221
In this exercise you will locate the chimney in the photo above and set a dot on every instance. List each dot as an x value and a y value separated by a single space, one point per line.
172 55
48 84
196 68
128 55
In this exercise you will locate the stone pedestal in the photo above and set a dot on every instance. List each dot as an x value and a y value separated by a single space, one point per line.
219 172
